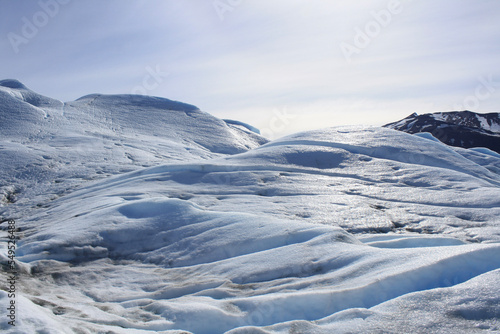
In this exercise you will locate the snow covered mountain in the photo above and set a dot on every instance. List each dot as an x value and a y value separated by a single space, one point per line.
459 128
196 225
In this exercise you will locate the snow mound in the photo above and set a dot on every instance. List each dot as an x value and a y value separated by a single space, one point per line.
470 307
487 151
62 145
427 135
126 101
167 232
153 116
12 83
15 89
328 148
243 125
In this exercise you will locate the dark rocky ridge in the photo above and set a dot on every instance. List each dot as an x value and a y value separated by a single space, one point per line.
465 129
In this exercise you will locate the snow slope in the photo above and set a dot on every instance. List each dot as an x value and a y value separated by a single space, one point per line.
340 230
44 141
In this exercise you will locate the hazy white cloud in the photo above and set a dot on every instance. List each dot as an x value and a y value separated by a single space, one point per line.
410 55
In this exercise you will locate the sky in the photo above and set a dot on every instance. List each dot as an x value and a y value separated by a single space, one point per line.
283 66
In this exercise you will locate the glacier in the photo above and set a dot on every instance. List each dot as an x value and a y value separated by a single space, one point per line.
139 214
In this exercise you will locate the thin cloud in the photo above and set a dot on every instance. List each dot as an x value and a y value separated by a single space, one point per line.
260 55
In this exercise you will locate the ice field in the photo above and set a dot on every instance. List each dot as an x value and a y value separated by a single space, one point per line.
145 215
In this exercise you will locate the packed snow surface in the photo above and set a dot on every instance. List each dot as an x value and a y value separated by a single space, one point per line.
145 215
